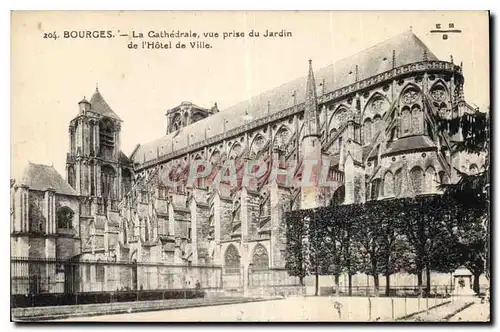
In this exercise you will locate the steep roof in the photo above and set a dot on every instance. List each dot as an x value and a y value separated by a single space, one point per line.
98 105
370 62
410 142
42 177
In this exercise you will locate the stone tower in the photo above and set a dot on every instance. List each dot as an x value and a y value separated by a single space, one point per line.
95 165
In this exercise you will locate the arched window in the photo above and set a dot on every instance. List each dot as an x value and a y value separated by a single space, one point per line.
126 180
388 184
106 138
367 131
65 218
99 271
473 169
176 122
416 176
71 177
375 188
282 137
232 257
339 118
338 196
398 181
405 121
92 179
260 258
416 119
430 180
108 181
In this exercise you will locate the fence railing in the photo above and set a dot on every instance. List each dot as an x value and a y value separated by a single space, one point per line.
394 291
271 278
37 276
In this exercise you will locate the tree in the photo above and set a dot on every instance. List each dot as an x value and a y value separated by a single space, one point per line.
422 224
294 258
370 243
472 135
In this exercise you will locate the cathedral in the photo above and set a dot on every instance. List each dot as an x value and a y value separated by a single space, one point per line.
368 119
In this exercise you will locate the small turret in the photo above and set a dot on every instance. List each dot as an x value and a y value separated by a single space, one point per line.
83 106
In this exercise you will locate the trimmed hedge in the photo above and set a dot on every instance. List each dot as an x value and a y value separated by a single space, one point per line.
55 299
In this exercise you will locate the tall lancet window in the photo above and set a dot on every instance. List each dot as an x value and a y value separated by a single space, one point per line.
416 119
405 121
71 177
106 138
108 181
388 184
367 130
398 182
417 178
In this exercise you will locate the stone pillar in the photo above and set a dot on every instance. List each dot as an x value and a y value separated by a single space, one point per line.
244 216
78 177
92 277
276 198
119 184
106 237
194 231
18 210
98 180
96 140
171 221
217 227
349 180
117 141
70 141
47 210
89 174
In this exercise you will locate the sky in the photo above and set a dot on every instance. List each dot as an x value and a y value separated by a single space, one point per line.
49 77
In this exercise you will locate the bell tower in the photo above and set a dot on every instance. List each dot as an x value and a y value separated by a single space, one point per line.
95 162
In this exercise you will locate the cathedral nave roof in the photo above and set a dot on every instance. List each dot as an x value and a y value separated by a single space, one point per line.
370 62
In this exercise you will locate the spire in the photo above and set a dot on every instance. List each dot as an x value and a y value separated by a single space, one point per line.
426 58
311 105
393 59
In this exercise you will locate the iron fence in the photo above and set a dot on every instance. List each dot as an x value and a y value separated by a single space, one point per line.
273 277
394 291
42 277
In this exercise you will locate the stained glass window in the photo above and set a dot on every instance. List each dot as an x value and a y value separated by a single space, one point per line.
232 257
416 176
430 183
398 181
416 119
65 218
388 184
260 258
405 120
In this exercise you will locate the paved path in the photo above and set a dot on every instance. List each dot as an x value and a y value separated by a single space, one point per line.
285 310
478 312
